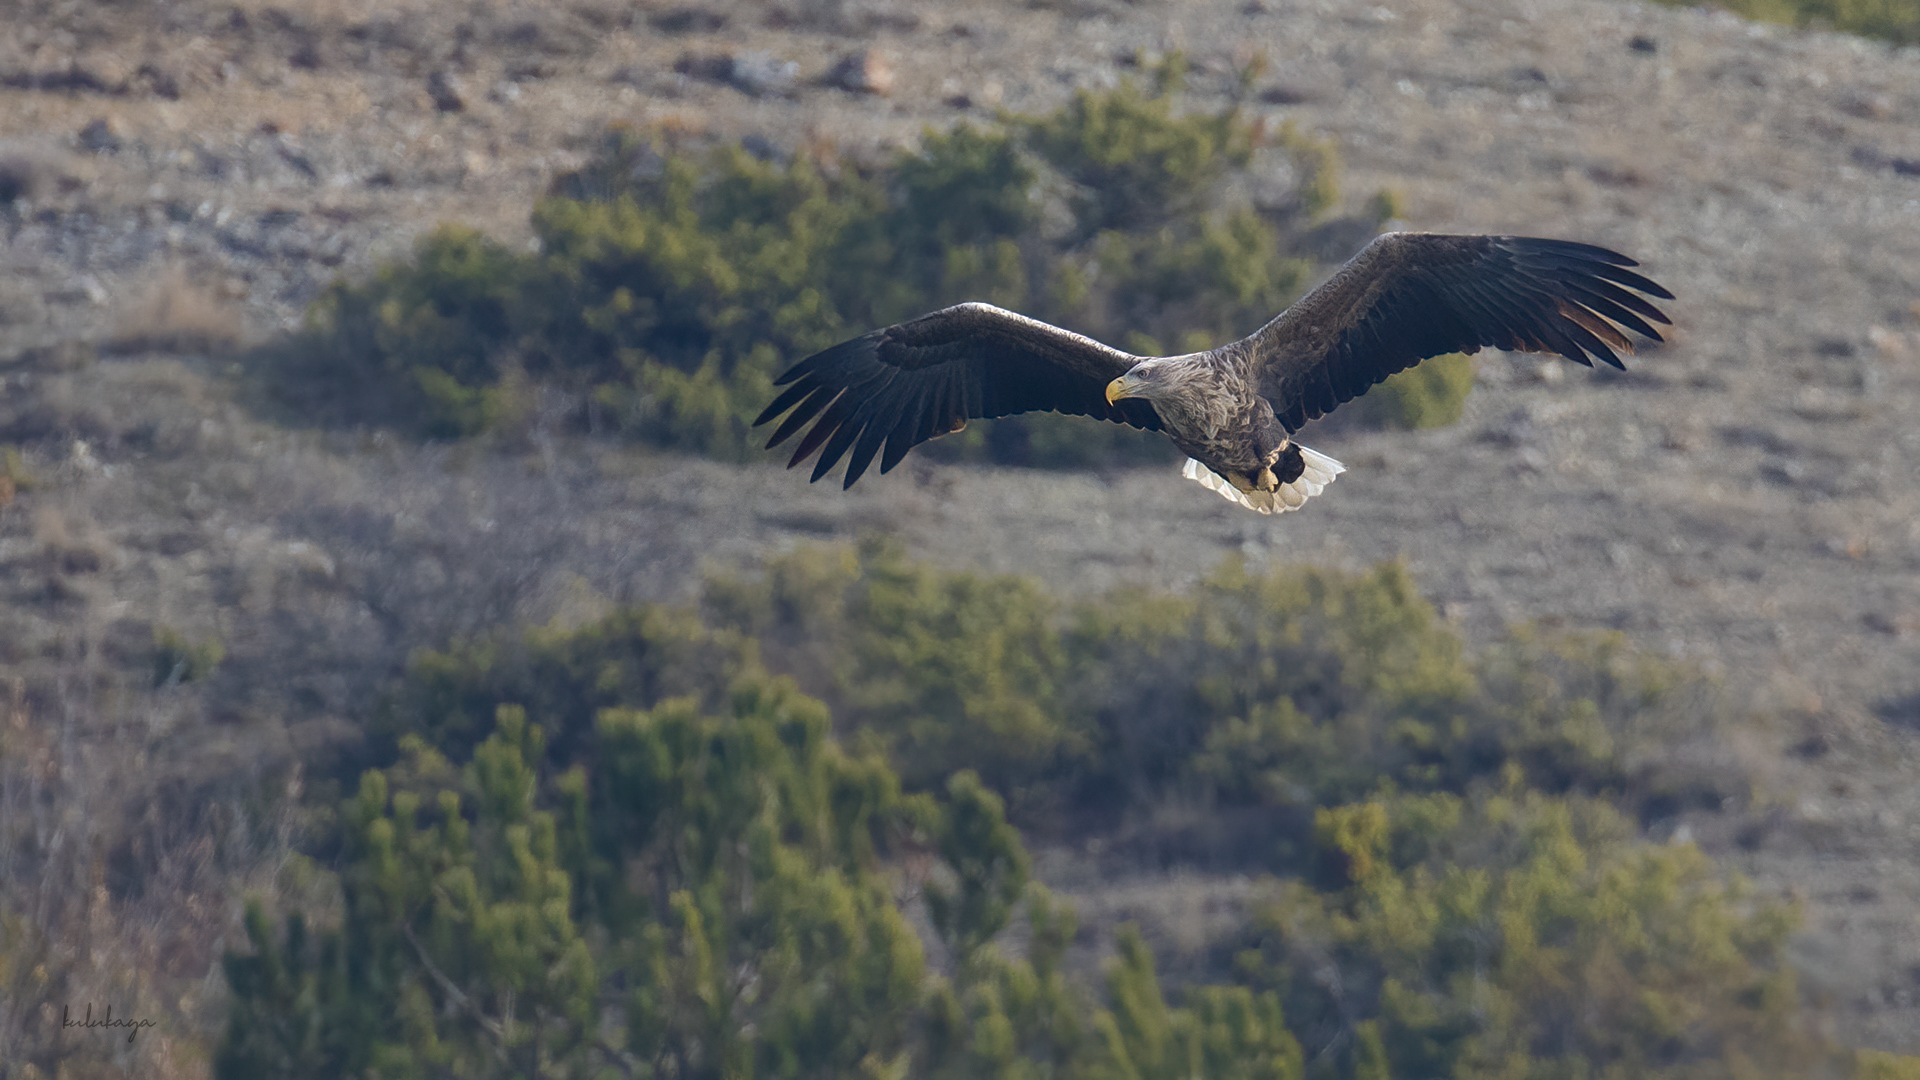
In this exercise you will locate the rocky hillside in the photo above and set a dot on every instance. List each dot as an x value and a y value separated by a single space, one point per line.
184 177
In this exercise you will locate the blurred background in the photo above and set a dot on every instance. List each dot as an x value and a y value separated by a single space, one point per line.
413 666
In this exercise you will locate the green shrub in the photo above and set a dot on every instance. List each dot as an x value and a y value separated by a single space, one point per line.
634 658
700 886
673 282
1432 394
705 896
628 849
1132 164
176 659
1523 935
1291 689
1307 688
1897 21
1003 1017
1588 711
1297 686
14 470
1879 1065
1208 282
424 345
946 670
1229 1032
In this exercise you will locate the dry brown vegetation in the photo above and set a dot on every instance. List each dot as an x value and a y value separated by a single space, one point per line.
1743 499
176 314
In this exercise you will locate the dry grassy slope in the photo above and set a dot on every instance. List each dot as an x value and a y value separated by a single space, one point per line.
1747 496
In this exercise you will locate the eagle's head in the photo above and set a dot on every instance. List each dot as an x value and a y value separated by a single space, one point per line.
1187 391
1156 379
1131 384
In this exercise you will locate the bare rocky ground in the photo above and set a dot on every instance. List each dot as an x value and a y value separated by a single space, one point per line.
191 174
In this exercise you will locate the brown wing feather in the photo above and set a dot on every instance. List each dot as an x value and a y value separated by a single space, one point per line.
1409 296
918 380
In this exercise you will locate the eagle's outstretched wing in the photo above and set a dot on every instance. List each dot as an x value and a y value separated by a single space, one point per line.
927 377
1409 296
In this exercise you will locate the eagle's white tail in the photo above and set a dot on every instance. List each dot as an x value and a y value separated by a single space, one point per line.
1320 472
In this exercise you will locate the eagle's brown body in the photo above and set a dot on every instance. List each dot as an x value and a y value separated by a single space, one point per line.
1209 404
1233 409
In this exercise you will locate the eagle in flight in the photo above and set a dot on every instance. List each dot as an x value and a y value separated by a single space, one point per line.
1234 409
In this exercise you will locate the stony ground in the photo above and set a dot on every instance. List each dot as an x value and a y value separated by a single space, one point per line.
191 174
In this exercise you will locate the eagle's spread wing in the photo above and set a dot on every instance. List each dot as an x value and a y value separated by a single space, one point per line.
1409 296
909 383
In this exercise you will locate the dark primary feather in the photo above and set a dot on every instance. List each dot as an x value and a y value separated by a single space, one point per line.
1409 296
898 387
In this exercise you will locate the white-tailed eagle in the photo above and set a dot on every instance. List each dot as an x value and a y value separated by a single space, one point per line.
1233 409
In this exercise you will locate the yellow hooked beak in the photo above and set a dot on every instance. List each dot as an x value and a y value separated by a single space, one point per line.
1124 386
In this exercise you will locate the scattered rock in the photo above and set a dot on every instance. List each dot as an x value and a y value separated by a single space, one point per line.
1529 76
897 21
1891 345
1617 174
1894 625
154 82
830 15
865 72
96 73
1285 94
1786 471
287 149
1641 43
1516 429
548 33
71 78
762 74
532 70
504 92
101 135
445 88
1902 711
68 355
764 148
1868 106
715 67
689 20
1816 745
1682 438
1871 157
